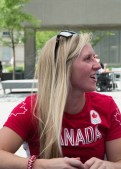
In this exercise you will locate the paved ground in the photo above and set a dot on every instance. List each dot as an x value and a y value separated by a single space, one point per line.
9 100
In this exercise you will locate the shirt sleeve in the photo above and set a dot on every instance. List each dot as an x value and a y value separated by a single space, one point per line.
114 130
20 119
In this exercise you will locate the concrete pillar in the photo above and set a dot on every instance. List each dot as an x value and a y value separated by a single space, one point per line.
30 53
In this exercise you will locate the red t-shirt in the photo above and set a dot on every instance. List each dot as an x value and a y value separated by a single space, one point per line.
83 134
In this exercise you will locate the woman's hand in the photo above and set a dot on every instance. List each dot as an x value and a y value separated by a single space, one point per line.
95 163
59 163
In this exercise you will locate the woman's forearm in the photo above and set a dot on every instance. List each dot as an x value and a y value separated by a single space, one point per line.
11 161
117 165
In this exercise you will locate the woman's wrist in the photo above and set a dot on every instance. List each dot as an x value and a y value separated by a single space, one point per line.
40 164
31 162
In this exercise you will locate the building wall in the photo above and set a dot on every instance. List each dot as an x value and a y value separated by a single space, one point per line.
6 53
109 48
76 13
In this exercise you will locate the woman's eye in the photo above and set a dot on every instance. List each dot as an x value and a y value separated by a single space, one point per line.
88 57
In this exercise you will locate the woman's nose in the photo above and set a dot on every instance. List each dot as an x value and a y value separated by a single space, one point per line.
96 65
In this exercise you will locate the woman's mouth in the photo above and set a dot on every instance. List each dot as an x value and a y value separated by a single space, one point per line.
94 77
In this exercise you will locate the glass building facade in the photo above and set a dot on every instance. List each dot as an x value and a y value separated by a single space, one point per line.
109 47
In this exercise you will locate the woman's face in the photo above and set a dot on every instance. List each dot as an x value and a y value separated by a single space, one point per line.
84 70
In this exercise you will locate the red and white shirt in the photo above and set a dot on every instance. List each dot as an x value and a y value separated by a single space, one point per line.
83 134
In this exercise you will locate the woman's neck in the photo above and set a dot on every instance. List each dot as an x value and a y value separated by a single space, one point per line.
75 103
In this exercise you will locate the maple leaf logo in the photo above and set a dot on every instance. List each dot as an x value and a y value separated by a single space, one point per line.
22 111
118 116
94 115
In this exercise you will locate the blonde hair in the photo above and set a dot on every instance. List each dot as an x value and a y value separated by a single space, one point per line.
53 87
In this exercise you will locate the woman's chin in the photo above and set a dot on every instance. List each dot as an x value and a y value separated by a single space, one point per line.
92 89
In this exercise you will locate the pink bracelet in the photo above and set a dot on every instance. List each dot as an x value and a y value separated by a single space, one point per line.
31 162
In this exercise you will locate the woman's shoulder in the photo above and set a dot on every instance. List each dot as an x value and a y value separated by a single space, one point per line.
101 101
98 96
26 105
21 118
30 98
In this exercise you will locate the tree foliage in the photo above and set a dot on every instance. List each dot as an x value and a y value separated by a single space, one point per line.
12 20
42 37
98 35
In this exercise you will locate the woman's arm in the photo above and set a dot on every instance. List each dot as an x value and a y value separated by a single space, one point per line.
10 143
11 161
113 150
113 153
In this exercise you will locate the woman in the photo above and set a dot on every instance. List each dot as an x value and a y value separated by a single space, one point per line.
66 124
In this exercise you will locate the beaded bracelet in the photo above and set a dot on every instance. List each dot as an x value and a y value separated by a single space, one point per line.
31 162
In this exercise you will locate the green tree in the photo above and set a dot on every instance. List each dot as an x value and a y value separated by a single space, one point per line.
43 36
13 20
98 35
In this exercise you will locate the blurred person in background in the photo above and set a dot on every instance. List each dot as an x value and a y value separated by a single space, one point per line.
103 66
